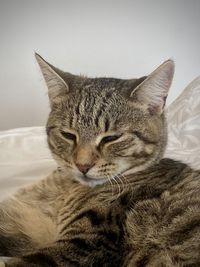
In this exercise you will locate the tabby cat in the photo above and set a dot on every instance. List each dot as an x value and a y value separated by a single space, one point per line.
113 200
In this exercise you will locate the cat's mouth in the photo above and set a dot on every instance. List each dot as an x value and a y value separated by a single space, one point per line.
84 179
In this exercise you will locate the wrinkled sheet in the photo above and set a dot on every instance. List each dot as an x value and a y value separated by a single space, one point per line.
183 117
25 157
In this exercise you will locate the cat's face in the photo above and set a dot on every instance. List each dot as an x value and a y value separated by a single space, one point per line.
103 128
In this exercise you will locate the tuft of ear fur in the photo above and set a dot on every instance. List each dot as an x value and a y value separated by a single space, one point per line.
55 83
153 91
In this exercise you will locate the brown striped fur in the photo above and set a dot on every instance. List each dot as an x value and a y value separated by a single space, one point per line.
112 201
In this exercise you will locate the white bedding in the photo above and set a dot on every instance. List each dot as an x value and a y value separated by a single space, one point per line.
183 117
25 158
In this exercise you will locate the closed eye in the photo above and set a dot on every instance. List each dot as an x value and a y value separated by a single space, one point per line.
69 136
144 138
109 138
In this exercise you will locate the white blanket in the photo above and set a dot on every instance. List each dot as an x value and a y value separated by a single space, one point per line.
25 157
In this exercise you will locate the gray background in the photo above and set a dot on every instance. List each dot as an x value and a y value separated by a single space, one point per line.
99 38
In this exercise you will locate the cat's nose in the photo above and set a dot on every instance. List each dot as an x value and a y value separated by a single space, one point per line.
84 168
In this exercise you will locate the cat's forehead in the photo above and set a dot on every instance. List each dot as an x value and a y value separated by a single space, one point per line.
92 110
100 95
93 107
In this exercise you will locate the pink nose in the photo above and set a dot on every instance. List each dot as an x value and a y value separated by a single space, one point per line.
84 168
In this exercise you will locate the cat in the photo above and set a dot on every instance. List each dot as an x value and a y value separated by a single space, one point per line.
113 200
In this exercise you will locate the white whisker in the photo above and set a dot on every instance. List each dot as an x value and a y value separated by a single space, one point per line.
124 180
121 181
110 181
118 185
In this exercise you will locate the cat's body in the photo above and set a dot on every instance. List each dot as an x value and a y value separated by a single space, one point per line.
112 201
154 223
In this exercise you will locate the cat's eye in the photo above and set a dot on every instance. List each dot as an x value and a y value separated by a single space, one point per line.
109 138
69 136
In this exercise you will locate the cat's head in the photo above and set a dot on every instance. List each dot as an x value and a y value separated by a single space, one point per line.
103 128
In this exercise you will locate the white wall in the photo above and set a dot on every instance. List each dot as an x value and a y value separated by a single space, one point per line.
113 38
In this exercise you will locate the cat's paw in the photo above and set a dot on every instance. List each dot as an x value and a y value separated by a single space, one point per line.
2 264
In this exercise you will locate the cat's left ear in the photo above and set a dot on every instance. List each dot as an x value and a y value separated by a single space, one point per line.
153 91
55 83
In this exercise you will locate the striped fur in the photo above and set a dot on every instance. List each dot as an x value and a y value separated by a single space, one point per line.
112 201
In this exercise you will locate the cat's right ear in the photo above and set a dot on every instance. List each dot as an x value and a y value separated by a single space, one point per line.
55 83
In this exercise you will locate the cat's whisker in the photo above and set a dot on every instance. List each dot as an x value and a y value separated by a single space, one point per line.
118 185
110 181
111 178
124 181
121 181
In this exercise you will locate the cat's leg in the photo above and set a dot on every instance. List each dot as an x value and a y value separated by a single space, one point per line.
27 220
23 228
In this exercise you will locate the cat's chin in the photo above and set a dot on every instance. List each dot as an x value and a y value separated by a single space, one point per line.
83 179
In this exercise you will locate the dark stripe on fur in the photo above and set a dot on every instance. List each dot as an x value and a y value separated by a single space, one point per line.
83 246
185 232
94 217
41 259
142 262
69 261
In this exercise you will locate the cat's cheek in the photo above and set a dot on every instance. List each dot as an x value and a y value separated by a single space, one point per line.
109 169
99 172
94 173
122 165
60 148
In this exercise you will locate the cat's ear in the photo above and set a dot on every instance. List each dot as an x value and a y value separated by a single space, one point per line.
55 83
153 91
